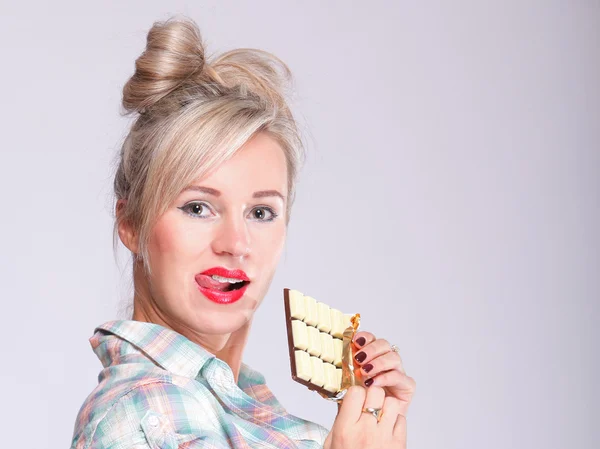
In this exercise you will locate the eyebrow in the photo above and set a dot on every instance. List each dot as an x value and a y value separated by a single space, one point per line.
215 192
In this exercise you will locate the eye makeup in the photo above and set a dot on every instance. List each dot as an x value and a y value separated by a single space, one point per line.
199 206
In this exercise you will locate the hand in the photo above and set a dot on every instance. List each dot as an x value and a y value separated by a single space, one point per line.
355 429
382 367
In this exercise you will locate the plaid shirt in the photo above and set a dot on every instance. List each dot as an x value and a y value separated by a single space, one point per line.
160 390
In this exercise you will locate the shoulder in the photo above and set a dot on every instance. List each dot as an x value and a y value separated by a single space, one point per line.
163 410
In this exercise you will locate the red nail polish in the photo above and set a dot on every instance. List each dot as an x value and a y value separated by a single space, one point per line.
360 357
368 382
361 341
368 367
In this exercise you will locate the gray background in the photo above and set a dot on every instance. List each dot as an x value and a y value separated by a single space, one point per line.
451 195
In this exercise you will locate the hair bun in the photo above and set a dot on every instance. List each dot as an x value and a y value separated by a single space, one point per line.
174 53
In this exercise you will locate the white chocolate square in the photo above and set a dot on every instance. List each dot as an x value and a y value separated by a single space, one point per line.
338 375
327 352
336 323
324 317
297 309
318 376
314 341
303 366
300 334
312 316
331 384
338 346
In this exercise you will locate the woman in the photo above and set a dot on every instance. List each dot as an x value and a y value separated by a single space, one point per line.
204 190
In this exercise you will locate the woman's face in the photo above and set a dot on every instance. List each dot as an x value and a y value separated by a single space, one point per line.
233 219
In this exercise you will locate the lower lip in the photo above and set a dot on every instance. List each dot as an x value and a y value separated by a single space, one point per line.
223 297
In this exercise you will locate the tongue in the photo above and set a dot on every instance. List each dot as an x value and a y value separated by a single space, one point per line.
208 282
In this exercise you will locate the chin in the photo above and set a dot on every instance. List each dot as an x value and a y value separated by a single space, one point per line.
218 322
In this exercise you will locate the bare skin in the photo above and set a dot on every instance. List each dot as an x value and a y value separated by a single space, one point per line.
225 232
240 224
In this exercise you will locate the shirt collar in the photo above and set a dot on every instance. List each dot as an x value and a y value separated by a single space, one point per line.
167 348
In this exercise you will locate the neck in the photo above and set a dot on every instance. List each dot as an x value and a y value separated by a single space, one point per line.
227 347
232 351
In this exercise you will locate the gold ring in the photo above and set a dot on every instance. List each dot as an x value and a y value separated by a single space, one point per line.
376 412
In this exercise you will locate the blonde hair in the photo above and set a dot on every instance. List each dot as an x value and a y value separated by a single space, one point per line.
194 114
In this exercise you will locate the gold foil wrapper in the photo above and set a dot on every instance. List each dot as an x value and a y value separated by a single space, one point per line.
349 377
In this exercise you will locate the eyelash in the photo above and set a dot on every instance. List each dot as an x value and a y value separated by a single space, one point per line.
186 208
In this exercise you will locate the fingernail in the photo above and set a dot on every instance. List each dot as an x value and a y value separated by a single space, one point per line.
360 357
368 367
361 341
368 382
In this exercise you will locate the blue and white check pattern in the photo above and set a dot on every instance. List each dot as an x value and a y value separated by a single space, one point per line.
160 390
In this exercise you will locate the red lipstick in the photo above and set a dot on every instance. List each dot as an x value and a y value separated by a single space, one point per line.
214 290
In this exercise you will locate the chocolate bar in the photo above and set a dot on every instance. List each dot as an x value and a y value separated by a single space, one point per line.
315 340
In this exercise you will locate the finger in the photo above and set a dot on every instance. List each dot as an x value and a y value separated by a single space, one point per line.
395 351
350 410
391 409
373 350
394 379
401 389
375 398
362 339
399 431
385 362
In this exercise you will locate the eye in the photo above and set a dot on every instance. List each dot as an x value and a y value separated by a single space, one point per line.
263 213
196 210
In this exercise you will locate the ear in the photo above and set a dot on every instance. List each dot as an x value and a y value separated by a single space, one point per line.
126 232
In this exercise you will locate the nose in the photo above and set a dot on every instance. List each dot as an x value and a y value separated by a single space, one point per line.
232 238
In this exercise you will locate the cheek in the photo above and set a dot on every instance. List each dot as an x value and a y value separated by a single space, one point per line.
165 239
270 246
173 243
